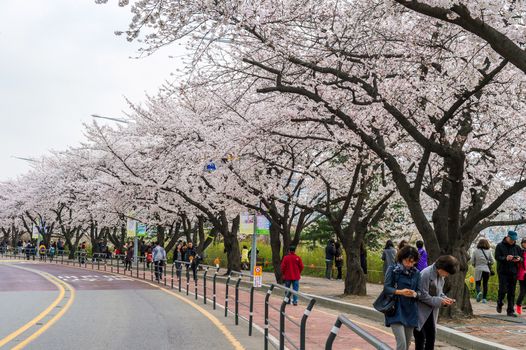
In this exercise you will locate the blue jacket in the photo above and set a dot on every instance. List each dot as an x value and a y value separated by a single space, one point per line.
398 277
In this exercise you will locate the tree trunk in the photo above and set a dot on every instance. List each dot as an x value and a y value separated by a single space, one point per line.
231 242
275 246
457 289
355 280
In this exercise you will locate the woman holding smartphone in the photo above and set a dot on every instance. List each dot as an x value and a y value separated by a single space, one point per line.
431 298
402 281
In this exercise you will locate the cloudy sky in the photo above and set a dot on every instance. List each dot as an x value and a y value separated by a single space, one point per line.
60 63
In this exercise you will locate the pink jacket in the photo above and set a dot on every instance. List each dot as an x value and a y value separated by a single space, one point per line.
522 267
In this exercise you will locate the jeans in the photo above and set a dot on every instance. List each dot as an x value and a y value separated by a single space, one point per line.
158 269
402 335
178 269
328 269
507 284
296 287
522 292
425 338
484 281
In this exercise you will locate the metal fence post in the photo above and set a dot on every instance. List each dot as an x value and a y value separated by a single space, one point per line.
204 285
187 279
226 295
267 298
282 320
236 318
194 274
303 328
172 282
251 311
334 333
214 289
180 275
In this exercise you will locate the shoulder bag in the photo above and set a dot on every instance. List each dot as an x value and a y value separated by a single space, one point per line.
491 272
386 303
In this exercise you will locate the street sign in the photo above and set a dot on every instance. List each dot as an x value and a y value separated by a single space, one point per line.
35 232
131 227
263 225
141 230
258 276
210 167
246 225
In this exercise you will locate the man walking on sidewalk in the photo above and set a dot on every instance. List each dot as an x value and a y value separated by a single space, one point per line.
159 257
291 267
508 255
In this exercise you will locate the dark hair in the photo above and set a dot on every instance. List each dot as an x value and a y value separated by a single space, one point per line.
245 247
447 263
483 244
402 244
420 244
337 244
292 248
389 244
407 252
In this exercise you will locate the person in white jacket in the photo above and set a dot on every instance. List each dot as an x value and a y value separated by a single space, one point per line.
482 259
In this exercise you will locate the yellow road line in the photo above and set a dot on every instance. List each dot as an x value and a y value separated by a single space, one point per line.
230 337
59 284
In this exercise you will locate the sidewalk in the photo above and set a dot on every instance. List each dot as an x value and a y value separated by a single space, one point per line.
486 324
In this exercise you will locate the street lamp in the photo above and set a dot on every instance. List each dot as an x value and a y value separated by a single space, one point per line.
119 120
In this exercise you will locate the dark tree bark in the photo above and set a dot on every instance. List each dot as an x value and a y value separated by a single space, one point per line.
117 237
451 222
231 241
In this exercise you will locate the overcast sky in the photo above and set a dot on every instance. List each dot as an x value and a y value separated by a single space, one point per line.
60 62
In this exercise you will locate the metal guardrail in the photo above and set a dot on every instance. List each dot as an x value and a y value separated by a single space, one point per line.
283 337
240 281
368 337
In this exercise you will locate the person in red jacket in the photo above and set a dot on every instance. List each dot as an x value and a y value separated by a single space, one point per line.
291 267
521 276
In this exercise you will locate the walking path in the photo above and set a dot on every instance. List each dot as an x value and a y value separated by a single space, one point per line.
486 324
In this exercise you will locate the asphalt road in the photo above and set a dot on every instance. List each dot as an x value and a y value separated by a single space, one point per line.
96 310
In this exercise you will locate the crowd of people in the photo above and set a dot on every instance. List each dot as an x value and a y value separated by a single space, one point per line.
31 247
413 291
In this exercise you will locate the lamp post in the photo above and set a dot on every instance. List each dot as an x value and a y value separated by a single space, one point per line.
119 120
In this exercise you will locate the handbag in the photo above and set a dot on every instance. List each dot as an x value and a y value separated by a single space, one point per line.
386 303
491 272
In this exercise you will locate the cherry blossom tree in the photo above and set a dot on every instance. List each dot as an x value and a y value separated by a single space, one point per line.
439 107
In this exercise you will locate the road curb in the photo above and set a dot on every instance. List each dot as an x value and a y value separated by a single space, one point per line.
445 334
